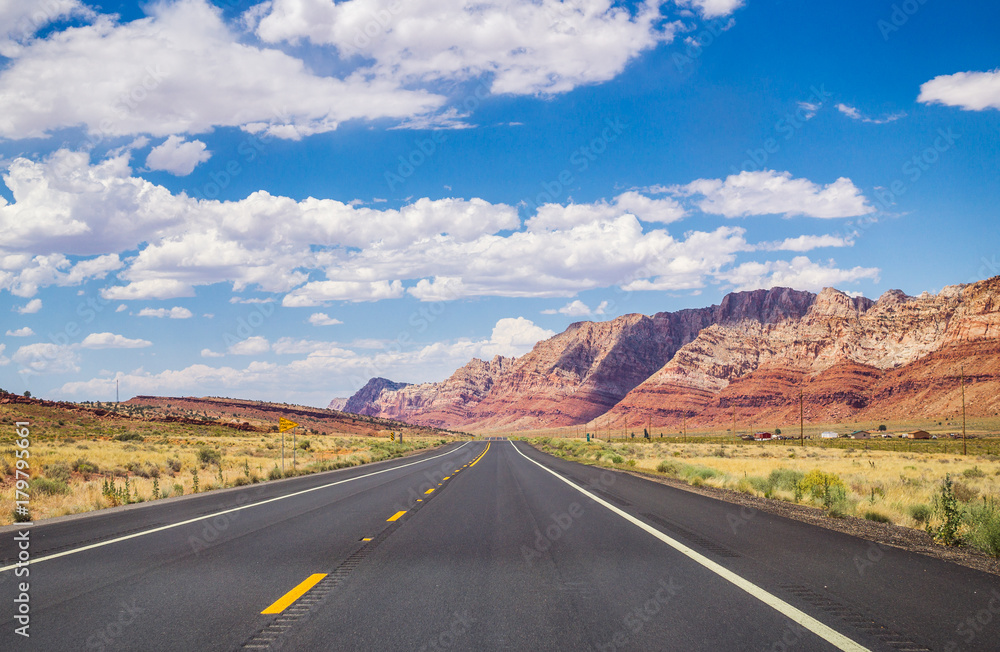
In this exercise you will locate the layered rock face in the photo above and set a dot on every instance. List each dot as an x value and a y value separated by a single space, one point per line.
755 352
846 356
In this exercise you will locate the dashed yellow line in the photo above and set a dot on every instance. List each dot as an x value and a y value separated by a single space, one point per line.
429 491
395 516
289 598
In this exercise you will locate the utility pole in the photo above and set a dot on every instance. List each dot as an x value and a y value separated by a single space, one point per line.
964 449
802 421
117 398
685 427
734 422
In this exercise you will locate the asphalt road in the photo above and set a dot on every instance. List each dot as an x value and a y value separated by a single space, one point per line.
483 546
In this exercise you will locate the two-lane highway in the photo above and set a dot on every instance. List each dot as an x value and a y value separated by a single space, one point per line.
482 546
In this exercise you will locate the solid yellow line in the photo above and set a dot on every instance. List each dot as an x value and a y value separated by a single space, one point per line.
429 491
286 600
480 457
395 516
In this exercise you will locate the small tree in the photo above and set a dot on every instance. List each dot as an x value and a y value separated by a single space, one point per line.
27 394
777 431
881 428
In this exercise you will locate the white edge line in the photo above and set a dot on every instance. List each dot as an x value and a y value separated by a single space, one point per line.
207 516
805 620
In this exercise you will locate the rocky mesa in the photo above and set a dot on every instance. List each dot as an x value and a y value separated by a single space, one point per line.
754 354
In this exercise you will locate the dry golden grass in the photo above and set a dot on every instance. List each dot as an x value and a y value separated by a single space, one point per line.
74 455
885 483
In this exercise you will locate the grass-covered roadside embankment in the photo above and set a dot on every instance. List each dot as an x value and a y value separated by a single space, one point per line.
954 498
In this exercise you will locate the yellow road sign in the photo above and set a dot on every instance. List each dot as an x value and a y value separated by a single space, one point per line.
392 436
285 424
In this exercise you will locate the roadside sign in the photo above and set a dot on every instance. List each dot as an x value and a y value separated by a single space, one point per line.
284 424
392 436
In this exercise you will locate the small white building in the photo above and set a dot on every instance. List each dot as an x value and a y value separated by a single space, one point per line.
829 434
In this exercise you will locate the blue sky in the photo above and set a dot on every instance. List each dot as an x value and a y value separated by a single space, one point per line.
281 200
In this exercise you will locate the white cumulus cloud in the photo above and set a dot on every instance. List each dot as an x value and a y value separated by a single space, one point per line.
178 156
181 70
251 346
323 319
112 341
713 8
31 307
523 46
973 91
176 312
21 332
769 192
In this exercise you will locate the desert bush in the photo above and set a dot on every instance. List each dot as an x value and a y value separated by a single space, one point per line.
964 493
974 472
48 487
878 517
670 468
58 472
128 436
208 456
947 505
81 465
984 529
786 479
174 465
921 513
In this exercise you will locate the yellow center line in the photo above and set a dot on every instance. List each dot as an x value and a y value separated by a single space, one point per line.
429 491
395 516
445 478
367 539
286 600
481 456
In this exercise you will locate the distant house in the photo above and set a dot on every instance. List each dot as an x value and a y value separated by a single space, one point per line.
917 434
760 436
861 434
829 434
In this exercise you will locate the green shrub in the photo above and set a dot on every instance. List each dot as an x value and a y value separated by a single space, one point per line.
669 468
81 465
48 487
275 473
617 459
974 472
984 529
690 472
921 513
951 514
128 436
825 486
878 517
58 472
786 479
208 456
174 465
